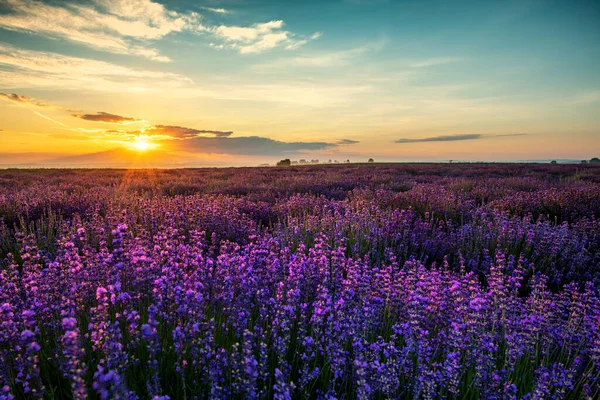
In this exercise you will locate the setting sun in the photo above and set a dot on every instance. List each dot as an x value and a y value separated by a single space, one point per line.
142 144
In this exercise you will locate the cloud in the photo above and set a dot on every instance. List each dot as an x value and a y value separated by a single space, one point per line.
117 26
44 70
180 132
31 103
258 37
249 145
217 10
169 132
127 26
321 60
347 141
445 138
177 138
455 138
25 100
28 68
104 117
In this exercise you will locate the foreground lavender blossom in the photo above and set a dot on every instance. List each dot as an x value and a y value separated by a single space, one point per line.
473 284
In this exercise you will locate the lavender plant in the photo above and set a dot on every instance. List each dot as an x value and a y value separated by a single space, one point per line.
339 282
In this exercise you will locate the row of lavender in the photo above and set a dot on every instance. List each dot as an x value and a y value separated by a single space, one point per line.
435 285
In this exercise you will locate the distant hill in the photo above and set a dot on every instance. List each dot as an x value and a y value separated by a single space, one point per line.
117 158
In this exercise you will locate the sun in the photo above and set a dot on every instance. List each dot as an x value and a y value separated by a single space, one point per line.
142 143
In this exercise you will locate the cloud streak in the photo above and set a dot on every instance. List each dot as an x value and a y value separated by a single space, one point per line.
249 145
347 141
443 138
26 100
455 138
105 117
321 60
31 103
169 132
29 68
180 132
217 10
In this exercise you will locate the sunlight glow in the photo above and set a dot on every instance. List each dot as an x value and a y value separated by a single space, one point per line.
142 143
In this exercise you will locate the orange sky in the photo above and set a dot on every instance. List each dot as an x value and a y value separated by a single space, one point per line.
245 85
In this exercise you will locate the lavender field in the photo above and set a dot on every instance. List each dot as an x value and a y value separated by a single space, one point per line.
318 282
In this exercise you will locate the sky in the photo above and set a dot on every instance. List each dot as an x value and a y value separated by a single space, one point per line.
244 82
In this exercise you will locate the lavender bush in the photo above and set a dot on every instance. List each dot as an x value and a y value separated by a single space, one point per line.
367 281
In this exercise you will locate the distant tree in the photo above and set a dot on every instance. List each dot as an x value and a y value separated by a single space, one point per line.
595 160
584 162
553 162
284 163
348 161
371 160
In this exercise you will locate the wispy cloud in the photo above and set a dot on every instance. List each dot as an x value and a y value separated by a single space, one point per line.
116 26
168 132
455 138
51 119
347 141
105 117
128 26
47 62
181 132
32 104
322 59
26 100
443 138
258 37
217 10
30 68
36 69
250 145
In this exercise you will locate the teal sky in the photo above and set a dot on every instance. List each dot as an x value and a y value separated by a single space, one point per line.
243 82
